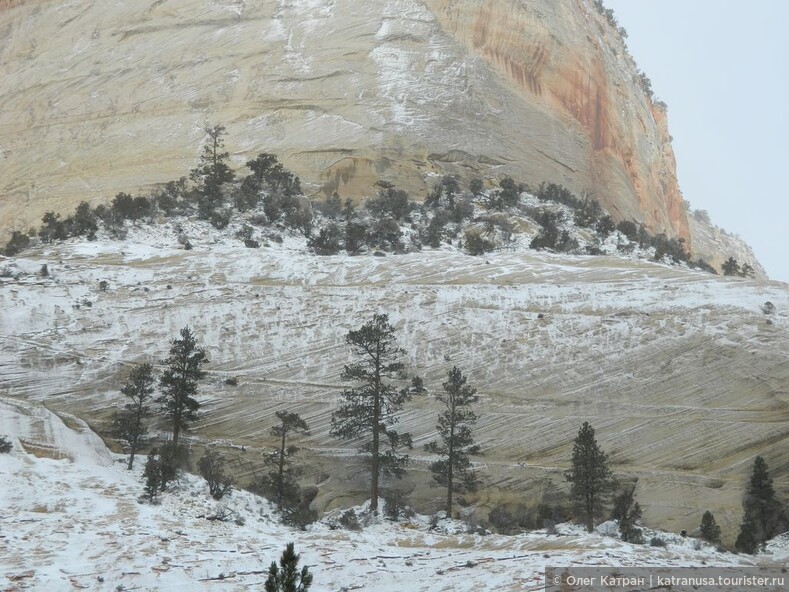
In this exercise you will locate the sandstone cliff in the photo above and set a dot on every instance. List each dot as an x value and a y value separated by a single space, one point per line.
104 97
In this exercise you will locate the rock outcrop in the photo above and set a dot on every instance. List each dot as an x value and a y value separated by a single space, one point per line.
105 97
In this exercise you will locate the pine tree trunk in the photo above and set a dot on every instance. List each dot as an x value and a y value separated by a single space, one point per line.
376 468
450 464
138 420
176 427
131 456
376 464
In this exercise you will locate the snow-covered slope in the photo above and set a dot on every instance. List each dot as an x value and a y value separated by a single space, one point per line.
77 524
681 373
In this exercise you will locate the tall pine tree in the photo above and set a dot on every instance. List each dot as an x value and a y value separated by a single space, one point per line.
179 382
280 483
710 531
763 515
456 441
371 408
128 422
286 577
589 476
212 172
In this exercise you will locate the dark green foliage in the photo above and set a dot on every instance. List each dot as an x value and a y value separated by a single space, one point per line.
349 520
84 223
179 382
172 459
329 240
747 270
169 198
502 520
475 186
456 441
589 477
280 483
559 194
657 542
605 225
629 229
671 247
396 505
763 515
628 513
211 173
298 214
463 210
19 241
731 267
588 212
331 207
476 243
606 12
443 194
268 173
434 234
747 539
355 237
287 577
126 207
551 236
385 235
299 515
703 265
128 423
348 210
645 83
5 445
53 228
710 531
702 216
390 202
212 468
507 195
370 409
152 476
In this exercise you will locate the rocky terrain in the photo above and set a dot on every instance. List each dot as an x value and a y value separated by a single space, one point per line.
71 519
681 372
100 98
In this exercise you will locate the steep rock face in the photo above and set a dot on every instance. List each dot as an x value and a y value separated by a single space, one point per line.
715 245
100 98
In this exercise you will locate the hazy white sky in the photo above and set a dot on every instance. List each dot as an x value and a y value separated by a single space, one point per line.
723 69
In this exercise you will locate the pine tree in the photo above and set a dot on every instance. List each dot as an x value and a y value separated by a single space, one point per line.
710 531
589 476
152 476
179 382
286 577
372 408
628 512
212 172
281 483
763 515
212 468
747 541
128 422
456 442
731 267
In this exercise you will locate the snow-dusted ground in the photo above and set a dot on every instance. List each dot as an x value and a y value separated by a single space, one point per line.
74 522
681 373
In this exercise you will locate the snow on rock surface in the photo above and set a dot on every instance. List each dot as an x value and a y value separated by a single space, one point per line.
681 373
68 525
